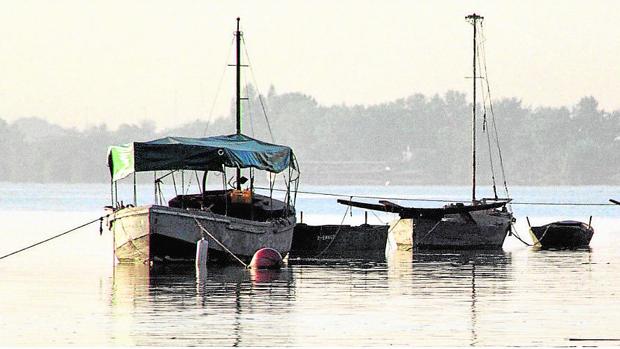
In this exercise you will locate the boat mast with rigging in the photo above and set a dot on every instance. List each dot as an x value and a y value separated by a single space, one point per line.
473 19
238 90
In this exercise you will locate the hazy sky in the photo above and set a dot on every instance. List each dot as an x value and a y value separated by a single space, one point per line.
81 63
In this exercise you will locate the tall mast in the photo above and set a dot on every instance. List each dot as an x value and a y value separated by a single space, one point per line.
238 98
473 19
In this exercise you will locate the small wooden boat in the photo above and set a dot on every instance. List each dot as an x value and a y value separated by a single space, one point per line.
562 234
614 201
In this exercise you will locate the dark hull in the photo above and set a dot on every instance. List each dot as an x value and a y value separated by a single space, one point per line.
562 235
485 230
340 241
456 226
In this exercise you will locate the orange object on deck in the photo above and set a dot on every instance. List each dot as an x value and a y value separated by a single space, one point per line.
241 196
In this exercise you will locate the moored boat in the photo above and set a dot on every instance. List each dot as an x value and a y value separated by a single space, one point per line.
364 240
456 226
562 234
236 221
479 224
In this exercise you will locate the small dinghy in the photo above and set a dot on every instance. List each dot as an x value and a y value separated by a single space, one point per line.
563 234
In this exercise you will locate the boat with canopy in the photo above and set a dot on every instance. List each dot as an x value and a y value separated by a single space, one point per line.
235 220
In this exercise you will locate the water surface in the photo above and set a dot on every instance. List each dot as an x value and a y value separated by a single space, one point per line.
69 291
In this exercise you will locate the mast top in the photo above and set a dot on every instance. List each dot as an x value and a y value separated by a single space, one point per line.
474 17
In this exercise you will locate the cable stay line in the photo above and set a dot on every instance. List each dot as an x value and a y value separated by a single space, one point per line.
485 100
377 197
219 88
493 121
260 95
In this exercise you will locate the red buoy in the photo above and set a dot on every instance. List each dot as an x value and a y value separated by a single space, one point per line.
266 258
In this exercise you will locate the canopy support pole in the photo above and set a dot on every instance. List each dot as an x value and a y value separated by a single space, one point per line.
155 186
182 189
135 193
225 195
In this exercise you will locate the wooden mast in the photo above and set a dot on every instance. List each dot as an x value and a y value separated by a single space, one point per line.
474 18
238 97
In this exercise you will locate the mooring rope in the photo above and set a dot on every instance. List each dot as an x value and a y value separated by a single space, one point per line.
219 243
514 232
438 200
100 220
337 231
430 231
544 234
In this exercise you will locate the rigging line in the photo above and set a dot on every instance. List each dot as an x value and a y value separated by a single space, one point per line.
430 231
219 87
174 183
379 219
100 219
484 123
260 96
363 196
492 166
439 200
482 49
296 165
197 181
496 134
249 105
187 187
164 176
560 204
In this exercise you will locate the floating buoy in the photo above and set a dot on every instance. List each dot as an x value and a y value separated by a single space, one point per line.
266 258
202 248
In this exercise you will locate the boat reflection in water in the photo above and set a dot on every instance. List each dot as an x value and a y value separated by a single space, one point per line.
425 298
177 305
452 280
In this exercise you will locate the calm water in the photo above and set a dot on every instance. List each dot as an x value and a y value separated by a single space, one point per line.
68 291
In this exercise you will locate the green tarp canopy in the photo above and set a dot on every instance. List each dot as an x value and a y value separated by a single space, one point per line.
203 154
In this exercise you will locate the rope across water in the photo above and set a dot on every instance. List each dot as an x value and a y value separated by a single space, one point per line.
99 219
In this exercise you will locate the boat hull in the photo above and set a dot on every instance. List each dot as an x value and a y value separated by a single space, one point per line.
160 233
339 240
485 230
562 235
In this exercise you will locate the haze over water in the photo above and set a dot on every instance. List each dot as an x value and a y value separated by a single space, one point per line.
81 63
67 292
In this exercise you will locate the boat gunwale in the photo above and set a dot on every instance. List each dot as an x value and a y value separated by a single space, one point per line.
197 214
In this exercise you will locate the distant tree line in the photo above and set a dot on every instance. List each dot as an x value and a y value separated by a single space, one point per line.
413 140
